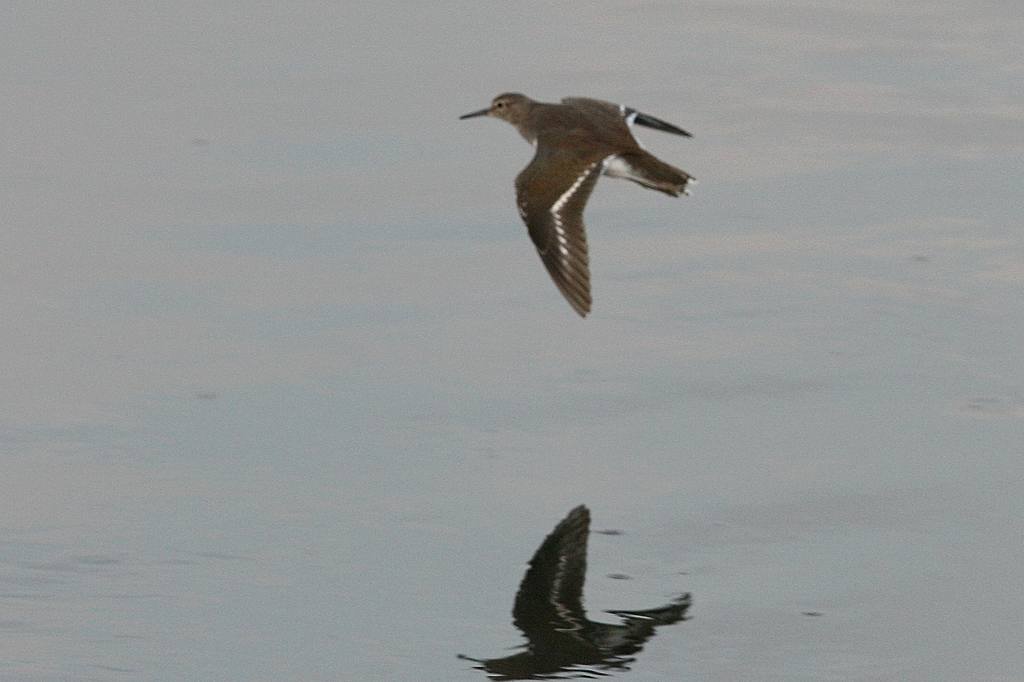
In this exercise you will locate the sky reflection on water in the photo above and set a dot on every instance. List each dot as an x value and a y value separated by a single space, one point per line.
294 401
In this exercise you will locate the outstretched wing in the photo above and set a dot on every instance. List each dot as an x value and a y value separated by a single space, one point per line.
607 110
551 193
550 598
612 117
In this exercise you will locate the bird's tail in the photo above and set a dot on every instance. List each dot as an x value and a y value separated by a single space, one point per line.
646 169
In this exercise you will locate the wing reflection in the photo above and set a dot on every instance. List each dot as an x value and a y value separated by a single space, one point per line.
562 642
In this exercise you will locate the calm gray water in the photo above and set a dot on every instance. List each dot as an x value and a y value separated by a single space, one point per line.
287 394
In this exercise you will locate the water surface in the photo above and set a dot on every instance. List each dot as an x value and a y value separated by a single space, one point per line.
289 395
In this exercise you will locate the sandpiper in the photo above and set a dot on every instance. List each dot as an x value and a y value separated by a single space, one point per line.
576 142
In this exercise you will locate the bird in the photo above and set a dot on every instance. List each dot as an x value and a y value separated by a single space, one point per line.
576 142
549 611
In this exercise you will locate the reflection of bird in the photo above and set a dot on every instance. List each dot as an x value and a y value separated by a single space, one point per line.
549 611
576 142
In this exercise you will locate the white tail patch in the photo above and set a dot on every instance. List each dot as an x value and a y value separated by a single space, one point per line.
614 167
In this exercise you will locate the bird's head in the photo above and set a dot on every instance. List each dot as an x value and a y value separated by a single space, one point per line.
509 106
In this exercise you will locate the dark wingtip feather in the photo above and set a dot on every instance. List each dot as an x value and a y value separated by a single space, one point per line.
658 124
579 303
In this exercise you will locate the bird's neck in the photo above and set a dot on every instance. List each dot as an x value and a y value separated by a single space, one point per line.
528 133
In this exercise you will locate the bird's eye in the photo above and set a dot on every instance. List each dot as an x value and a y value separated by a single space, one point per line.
500 105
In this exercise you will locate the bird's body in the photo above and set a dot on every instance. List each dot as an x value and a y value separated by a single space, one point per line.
577 141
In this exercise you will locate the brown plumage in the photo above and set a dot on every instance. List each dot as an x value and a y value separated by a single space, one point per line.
577 141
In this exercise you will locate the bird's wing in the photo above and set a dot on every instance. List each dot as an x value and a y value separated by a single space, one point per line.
550 194
595 106
598 107
550 598
611 115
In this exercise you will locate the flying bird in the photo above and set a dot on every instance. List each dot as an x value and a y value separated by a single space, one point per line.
577 141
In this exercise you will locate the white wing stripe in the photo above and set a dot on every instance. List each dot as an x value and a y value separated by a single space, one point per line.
556 212
556 207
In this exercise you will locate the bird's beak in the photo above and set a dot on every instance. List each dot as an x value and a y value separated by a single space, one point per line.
482 112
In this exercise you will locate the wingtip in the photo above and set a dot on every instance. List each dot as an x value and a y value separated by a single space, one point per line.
579 301
582 307
649 121
579 510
